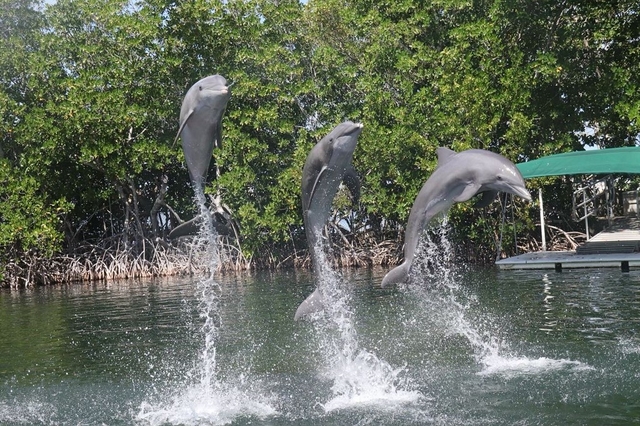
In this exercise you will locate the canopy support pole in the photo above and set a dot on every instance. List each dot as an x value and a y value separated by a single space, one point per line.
513 221
503 207
586 213
542 230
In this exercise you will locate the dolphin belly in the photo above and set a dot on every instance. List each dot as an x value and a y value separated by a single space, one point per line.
197 145
319 210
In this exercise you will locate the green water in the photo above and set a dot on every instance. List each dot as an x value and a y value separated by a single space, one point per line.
490 347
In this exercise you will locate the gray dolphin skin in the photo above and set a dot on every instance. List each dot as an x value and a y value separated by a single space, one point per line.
458 177
328 164
201 124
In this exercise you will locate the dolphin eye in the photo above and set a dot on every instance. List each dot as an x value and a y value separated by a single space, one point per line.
200 88
499 177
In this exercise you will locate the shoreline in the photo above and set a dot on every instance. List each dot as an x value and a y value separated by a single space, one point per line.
97 263
113 261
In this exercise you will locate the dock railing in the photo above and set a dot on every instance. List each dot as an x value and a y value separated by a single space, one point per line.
586 195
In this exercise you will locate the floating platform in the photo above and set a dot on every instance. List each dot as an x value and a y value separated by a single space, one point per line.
622 236
559 260
615 247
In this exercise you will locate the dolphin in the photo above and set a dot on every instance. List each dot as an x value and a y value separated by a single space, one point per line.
328 164
457 178
201 124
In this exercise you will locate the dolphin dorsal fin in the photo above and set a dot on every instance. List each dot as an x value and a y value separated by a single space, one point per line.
182 125
444 155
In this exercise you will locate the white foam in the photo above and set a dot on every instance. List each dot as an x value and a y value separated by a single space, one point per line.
629 346
367 381
199 406
26 412
496 364
360 378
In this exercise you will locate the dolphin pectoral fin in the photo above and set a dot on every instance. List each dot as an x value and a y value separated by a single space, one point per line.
310 305
184 122
315 185
469 191
486 199
398 275
352 181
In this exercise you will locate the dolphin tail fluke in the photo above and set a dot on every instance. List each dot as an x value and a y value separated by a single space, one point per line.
311 304
399 274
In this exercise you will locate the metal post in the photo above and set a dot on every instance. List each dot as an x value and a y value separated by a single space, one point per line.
542 230
513 221
610 199
586 215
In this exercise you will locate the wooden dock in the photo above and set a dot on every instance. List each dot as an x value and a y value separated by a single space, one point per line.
618 246
559 260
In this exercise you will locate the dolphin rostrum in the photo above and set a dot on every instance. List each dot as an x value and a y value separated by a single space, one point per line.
458 177
201 124
328 164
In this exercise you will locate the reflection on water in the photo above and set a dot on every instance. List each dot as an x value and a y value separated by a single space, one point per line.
567 346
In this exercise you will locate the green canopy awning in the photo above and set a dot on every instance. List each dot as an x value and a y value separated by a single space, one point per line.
592 162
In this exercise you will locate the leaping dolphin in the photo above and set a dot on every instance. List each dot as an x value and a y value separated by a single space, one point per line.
458 177
328 164
201 124
201 130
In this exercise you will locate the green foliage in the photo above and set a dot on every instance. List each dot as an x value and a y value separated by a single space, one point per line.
90 93
29 221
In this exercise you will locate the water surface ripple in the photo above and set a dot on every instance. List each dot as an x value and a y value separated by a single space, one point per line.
479 346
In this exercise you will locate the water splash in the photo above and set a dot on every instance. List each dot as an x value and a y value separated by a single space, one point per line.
515 366
360 378
26 411
208 290
629 345
205 398
198 405
435 279
368 381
